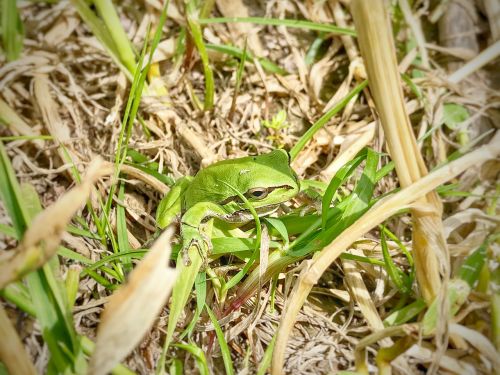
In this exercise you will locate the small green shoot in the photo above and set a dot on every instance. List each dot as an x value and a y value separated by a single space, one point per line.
277 123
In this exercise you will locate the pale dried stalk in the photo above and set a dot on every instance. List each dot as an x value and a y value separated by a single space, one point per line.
416 29
385 208
144 177
492 8
350 147
362 295
12 353
378 51
52 120
43 236
16 123
485 57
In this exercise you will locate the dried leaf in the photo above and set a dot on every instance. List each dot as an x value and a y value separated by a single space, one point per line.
132 310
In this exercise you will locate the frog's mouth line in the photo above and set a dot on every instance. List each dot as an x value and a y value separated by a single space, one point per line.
244 216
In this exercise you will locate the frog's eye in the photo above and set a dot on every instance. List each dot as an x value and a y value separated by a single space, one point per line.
257 193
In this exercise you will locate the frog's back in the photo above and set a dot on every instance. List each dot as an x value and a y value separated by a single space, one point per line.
266 170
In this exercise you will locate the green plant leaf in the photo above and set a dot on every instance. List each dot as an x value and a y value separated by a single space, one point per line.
454 115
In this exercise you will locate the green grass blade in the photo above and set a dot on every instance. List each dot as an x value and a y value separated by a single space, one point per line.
405 314
362 259
121 227
18 294
324 119
344 214
27 138
239 78
280 227
340 177
472 265
113 25
400 244
266 64
200 286
167 180
8 230
268 356
199 356
100 31
299 24
314 50
180 295
11 196
236 278
392 270
12 30
197 34
73 255
226 354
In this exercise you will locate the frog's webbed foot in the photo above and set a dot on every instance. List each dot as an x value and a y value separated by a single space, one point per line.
192 237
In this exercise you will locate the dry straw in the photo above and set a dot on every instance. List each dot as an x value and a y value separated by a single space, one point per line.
429 245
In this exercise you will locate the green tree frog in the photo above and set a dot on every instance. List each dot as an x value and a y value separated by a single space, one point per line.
265 180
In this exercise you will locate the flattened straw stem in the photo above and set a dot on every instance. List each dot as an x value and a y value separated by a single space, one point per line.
378 51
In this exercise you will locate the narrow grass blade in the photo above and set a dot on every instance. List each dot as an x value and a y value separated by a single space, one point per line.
239 78
115 29
236 278
280 227
266 360
405 314
392 270
226 354
196 33
199 356
471 267
186 276
324 119
339 178
100 31
121 227
12 30
266 64
299 24
10 193
200 286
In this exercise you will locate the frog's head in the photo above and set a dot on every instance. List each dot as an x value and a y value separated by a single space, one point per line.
265 180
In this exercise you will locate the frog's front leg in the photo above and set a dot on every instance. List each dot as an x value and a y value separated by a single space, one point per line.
191 228
170 205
